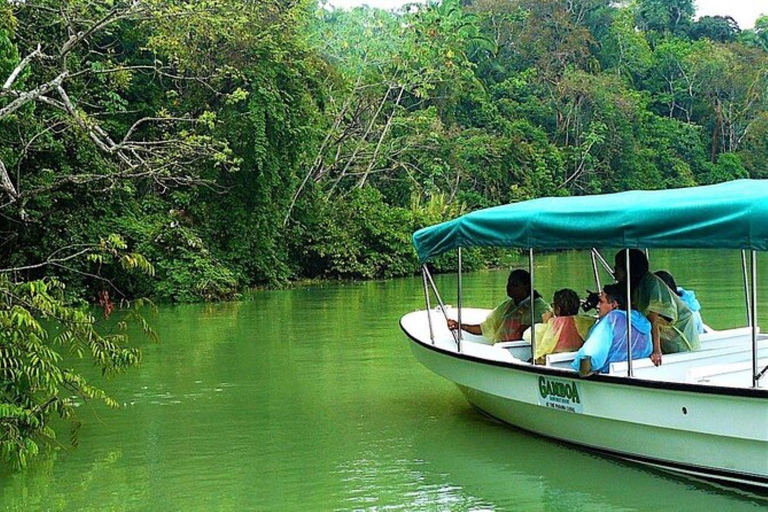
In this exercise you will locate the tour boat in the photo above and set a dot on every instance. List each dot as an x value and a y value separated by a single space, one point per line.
701 413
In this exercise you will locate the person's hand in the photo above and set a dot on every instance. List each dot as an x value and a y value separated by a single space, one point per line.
656 358
453 324
546 316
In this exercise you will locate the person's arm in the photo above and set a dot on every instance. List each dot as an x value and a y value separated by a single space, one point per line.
470 328
656 337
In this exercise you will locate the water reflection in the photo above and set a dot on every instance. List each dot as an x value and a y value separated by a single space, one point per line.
40 493
515 470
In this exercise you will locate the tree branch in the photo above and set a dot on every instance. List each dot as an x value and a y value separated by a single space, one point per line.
25 97
12 78
6 183
49 261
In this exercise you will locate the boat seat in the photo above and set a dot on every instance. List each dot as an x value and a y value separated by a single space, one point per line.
681 358
560 357
519 349
715 371
512 344
724 343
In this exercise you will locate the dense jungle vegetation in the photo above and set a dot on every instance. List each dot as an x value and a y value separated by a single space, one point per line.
187 150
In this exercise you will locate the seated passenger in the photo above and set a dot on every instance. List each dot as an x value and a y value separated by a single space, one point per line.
513 316
563 331
673 328
687 296
607 340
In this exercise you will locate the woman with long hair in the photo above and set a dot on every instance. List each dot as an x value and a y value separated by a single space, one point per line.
673 328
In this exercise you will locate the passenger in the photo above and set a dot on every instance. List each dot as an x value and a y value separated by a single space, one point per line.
673 328
607 340
563 331
687 296
513 316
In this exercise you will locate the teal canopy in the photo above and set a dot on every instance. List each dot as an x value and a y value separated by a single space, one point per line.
729 215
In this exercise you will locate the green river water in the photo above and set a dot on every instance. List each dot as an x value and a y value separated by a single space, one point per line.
309 399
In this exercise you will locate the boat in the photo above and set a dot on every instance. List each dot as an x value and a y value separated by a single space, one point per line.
702 413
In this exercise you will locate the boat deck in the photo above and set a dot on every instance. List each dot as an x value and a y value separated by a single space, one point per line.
725 357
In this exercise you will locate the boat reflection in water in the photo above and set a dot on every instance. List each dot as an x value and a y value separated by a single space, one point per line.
484 464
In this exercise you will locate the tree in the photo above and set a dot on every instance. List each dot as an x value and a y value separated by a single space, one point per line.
34 384
721 29
670 79
727 168
730 84
757 37
624 49
665 16
554 37
69 75
423 64
69 135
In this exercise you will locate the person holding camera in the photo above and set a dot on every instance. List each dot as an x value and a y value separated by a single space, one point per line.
606 342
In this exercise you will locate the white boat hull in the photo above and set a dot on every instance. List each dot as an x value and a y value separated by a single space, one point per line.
709 431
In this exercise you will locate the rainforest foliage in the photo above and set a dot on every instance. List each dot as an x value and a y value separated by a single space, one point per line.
187 150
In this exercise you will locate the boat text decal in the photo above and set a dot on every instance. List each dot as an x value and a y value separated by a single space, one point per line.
560 394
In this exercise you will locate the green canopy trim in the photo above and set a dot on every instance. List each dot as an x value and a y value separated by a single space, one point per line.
729 215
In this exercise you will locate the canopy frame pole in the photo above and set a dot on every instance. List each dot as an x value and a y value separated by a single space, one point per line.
746 286
459 291
532 308
602 261
753 313
442 306
594 270
429 306
629 317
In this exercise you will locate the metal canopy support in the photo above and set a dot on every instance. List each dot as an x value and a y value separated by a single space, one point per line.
532 308
746 286
458 292
629 317
753 314
442 306
606 266
594 270
429 306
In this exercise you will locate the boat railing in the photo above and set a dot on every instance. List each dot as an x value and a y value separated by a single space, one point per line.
427 278
750 283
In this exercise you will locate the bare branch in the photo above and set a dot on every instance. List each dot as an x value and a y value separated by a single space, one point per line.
6 183
88 274
12 78
384 132
49 261
143 120
24 98
112 16
163 161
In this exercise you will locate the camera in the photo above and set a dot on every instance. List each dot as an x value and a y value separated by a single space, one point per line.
591 301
